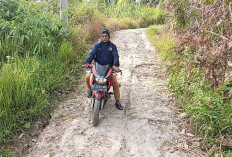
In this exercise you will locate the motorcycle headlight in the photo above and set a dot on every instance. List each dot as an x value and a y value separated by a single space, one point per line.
101 80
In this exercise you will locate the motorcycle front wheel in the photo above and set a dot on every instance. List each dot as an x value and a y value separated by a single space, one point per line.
96 110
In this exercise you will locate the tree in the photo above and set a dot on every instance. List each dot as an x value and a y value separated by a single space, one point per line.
64 12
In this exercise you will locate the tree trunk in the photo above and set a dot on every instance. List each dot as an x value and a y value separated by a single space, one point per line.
64 12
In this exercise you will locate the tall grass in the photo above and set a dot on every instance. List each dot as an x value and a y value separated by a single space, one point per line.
208 107
162 40
25 28
25 86
200 71
145 16
115 17
38 58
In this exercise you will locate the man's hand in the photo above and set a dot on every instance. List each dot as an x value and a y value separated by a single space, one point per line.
117 69
85 65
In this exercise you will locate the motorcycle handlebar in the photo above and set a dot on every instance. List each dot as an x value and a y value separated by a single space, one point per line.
89 66
120 72
86 67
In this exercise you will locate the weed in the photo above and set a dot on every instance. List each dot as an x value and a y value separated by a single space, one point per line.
38 59
208 106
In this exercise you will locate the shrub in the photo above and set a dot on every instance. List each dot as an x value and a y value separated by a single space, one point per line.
163 41
25 89
129 23
36 62
209 107
89 19
42 58
114 24
26 29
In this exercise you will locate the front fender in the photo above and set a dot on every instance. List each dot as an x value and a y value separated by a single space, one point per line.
98 94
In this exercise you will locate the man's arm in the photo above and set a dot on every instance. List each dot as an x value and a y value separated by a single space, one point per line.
115 56
92 54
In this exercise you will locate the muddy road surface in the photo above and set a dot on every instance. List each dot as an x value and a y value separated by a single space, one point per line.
147 127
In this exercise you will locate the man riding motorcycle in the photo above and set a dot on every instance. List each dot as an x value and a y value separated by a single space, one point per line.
105 53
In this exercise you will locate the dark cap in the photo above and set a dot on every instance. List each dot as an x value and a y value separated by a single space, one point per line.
105 31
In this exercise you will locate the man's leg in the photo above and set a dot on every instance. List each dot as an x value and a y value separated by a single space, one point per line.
116 92
87 78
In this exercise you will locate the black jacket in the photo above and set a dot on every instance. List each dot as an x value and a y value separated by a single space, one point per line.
104 53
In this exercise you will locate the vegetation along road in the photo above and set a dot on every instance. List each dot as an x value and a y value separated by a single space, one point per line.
147 127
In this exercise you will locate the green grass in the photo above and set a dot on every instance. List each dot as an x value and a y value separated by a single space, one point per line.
28 30
142 15
38 59
128 15
163 42
25 88
209 108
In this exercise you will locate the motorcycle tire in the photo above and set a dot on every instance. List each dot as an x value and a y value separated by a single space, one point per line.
96 110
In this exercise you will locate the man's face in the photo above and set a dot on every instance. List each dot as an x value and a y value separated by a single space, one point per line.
105 38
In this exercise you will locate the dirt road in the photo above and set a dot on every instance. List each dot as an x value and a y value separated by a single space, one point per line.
147 127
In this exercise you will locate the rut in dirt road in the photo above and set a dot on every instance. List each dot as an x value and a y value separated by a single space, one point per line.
142 129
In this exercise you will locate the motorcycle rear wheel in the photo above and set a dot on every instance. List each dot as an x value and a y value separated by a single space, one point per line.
96 110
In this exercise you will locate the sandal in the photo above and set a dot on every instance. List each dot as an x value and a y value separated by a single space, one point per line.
119 106
89 94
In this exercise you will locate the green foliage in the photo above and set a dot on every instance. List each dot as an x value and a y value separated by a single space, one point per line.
7 153
8 9
206 105
87 21
26 29
25 85
162 41
129 15
145 16
38 58
209 107
85 13
66 53
227 153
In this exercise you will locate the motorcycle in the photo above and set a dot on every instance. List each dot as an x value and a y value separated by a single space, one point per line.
100 82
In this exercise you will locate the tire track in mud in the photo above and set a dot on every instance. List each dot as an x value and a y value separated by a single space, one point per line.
142 129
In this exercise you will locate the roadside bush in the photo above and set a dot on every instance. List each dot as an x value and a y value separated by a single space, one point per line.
119 16
163 41
144 16
78 40
84 14
202 62
129 23
25 85
114 24
153 16
207 106
24 28
89 19
37 59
